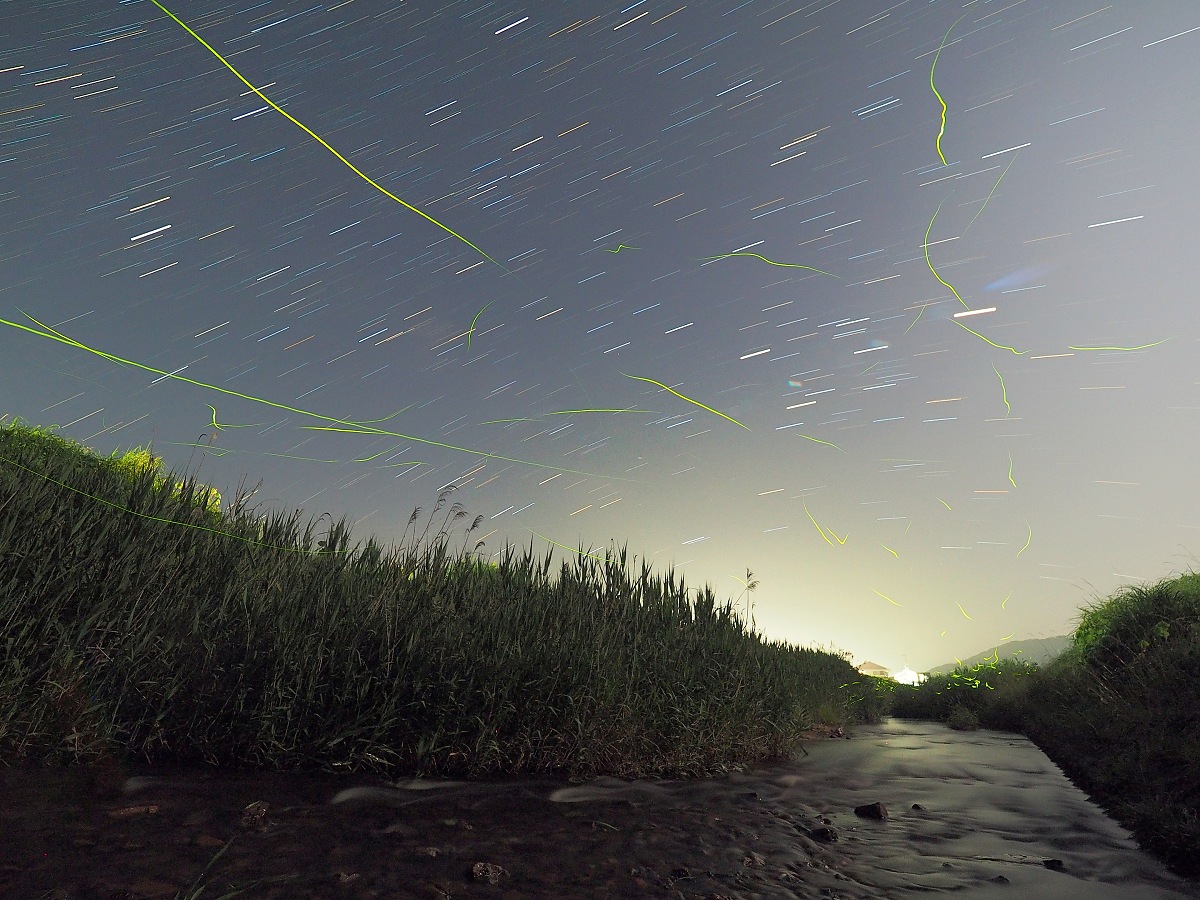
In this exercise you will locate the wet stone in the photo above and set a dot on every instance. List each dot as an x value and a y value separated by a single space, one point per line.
489 872
822 834
874 810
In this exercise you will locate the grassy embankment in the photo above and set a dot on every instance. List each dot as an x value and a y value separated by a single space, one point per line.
1117 711
141 620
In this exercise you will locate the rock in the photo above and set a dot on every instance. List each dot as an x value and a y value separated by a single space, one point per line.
1054 865
489 872
918 807
126 812
153 887
822 834
874 810
254 816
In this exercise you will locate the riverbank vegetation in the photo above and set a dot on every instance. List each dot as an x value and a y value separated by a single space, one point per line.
143 620
1116 711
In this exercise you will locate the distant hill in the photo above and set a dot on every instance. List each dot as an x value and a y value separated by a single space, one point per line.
1038 650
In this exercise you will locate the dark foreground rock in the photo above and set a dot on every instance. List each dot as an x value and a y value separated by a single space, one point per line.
874 810
980 815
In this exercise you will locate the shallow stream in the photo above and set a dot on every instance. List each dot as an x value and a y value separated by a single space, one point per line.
979 814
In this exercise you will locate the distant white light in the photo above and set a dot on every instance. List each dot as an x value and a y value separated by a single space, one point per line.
146 234
513 25
907 676
1116 221
1006 150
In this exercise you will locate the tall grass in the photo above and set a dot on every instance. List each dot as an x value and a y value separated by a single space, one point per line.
139 619
1117 711
991 694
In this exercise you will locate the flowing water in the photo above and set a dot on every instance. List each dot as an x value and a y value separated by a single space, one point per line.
980 814
996 817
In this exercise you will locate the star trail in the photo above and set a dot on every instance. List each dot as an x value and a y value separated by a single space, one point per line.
891 303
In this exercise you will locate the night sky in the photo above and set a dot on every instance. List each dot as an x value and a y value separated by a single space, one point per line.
715 281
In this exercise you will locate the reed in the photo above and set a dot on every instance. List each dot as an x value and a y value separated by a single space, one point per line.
142 620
